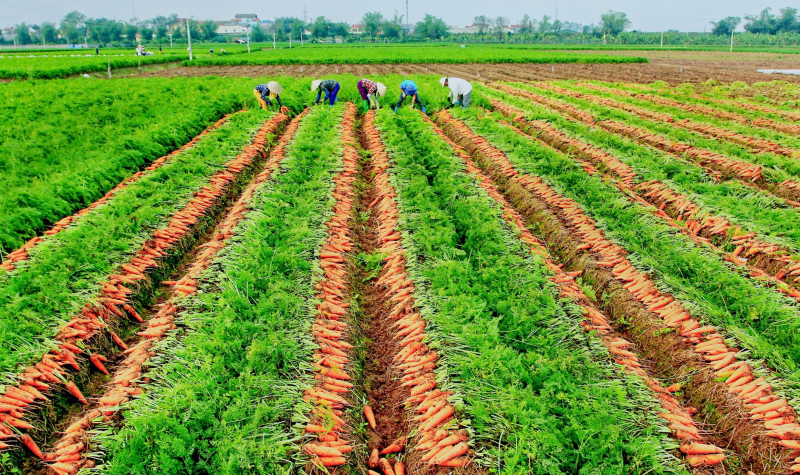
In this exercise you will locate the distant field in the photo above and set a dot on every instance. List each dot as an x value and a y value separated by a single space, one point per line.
406 54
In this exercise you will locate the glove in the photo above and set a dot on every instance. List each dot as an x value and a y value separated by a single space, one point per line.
395 109
365 104
423 109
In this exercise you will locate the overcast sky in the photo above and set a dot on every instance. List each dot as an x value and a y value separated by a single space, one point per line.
647 15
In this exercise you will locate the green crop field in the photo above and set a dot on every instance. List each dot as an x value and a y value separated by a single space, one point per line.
565 277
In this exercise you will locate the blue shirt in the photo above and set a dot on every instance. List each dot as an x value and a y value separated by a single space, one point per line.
409 87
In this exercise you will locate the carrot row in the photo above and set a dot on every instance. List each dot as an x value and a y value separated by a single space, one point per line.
780 261
21 254
620 349
698 109
787 115
124 382
113 301
435 437
332 386
754 392
758 145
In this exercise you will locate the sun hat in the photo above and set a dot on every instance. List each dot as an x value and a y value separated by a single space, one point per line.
442 80
274 87
381 89
315 84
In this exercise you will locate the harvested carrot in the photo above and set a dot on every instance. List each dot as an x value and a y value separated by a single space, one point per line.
73 389
702 460
395 446
31 445
447 455
373 459
399 468
386 467
370 416
696 448
321 451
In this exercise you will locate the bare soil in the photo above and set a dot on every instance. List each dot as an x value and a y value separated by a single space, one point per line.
675 68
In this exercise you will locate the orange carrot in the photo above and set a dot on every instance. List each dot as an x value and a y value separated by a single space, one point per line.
73 389
331 461
31 445
395 446
399 469
438 418
373 459
447 455
695 448
322 451
370 416
701 460
386 467
456 462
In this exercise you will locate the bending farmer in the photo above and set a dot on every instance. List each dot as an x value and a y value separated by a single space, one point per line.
409 88
266 92
330 87
369 93
460 89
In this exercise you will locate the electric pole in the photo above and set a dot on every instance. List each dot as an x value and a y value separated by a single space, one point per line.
408 20
662 39
732 39
248 40
189 36
305 17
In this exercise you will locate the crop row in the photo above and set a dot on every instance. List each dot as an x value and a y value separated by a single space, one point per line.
743 244
749 138
724 362
767 172
53 67
238 361
698 110
67 143
486 299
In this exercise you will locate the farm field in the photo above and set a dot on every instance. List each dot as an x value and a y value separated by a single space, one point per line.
569 276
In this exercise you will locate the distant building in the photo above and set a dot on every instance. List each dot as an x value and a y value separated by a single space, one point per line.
232 29
8 34
250 19
356 29
455 30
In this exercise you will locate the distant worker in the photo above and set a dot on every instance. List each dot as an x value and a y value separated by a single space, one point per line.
97 50
211 51
330 87
266 92
409 88
460 89
160 51
369 93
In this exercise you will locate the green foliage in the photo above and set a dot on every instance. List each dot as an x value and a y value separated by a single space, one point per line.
65 271
66 143
448 54
228 383
614 23
536 389
763 320
40 67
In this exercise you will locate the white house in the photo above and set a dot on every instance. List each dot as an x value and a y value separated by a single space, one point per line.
232 29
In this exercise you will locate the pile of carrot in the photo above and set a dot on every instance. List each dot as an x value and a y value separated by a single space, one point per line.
113 300
414 359
330 326
788 115
619 348
779 418
681 208
22 253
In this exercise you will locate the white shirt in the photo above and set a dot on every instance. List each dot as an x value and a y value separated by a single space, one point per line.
458 87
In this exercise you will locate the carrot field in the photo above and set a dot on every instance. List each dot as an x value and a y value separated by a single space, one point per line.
567 277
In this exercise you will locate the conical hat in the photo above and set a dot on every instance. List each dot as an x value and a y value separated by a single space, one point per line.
315 84
274 87
381 89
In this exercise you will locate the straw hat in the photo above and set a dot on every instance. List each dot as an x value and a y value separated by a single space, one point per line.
315 84
442 80
274 87
381 89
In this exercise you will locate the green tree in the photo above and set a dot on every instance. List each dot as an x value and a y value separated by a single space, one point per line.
130 32
787 22
49 33
208 30
499 25
725 26
765 22
544 25
372 22
321 28
23 35
525 25
614 23
482 22
161 32
147 34
431 27
257 35
393 28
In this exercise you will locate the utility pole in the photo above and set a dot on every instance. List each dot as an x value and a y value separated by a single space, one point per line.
305 18
15 42
248 40
732 39
662 39
189 36
408 20
301 35
273 39
170 39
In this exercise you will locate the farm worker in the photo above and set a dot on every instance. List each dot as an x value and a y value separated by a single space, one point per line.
160 51
369 93
330 87
265 92
409 88
460 89
97 50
